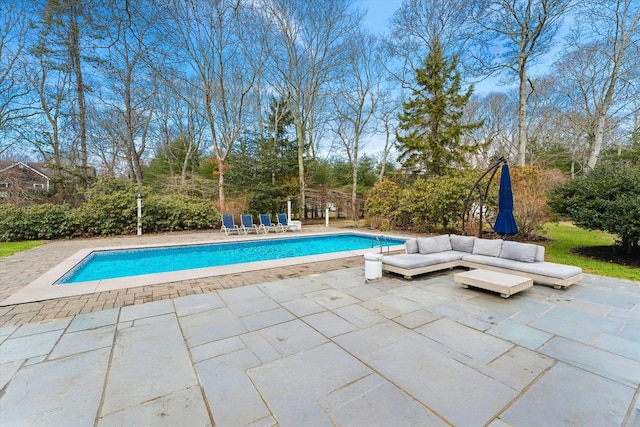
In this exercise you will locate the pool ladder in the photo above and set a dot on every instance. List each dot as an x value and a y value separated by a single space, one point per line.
379 240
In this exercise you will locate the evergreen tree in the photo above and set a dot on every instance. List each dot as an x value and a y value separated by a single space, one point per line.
430 132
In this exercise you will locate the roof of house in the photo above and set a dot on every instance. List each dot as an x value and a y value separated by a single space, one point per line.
39 168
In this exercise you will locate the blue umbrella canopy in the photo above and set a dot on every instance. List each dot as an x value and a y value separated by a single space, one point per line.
505 222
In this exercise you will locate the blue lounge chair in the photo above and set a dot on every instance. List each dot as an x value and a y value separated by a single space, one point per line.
248 225
267 225
228 225
284 222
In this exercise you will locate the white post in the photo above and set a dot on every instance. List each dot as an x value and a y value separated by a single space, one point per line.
289 210
139 214
326 217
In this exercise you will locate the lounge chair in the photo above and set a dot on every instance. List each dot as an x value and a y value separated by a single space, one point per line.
248 225
228 225
284 222
267 225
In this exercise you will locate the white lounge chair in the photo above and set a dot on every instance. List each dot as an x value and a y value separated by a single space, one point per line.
228 225
248 224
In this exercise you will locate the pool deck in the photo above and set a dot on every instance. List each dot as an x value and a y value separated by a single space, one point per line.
314 344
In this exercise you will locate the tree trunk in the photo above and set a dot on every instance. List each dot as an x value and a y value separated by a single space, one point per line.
522 117
301 181
74 53
221 184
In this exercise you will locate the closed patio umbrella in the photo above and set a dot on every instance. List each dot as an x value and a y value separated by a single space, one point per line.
505 222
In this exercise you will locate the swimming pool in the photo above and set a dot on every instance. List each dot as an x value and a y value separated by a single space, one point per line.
112 264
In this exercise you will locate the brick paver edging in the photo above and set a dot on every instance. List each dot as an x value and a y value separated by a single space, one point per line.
70 306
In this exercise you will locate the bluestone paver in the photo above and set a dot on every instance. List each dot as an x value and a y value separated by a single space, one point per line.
84 340
568 396
94 320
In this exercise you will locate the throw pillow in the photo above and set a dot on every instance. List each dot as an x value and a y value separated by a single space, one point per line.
411 246
487 247
462 243
443 242
517 251
427 245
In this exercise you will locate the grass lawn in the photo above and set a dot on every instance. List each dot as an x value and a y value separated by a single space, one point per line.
567 236
10 248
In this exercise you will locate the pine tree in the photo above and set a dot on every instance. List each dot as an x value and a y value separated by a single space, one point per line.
431 129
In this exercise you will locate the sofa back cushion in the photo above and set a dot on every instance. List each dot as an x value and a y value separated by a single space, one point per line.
427 245
487 247
411 246
517 251
462 243
443 242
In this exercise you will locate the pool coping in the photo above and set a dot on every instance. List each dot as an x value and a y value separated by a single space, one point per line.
44 287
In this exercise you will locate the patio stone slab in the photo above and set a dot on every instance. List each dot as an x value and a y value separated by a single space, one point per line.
416 318
279 292
7 371
265 319
399 303
252 306
520 334
565 329
597 324
329 324
95 319
41 327
183 407
83 340
260 346
470 342
316 373
292 337
139 369
609 365
620 346
68 392
216 348
359 316
446 310
303 307
212 325
232 397
150 309
363 292
331 298
369 340
630 332
439 382
519 367
613 299
373 401
197 303
24 347
571 397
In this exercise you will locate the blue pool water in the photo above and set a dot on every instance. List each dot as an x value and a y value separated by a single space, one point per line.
132 262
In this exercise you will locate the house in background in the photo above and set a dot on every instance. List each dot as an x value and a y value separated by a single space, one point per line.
21 177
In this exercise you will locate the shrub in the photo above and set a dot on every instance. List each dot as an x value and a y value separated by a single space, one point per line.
437 202
607 199
46 221
530 188
175 213
381 206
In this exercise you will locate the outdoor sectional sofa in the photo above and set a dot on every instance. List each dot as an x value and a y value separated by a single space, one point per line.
424 255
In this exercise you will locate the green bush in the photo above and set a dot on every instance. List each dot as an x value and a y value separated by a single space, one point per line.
607 199
110 208
382 204
437 202
175 213
46 221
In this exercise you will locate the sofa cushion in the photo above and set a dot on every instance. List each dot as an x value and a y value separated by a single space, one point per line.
487 247
411 246
549 269
524 252
539 253
427 245
462 243
444 244
411 261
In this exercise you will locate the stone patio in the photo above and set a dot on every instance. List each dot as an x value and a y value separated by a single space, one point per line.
317 345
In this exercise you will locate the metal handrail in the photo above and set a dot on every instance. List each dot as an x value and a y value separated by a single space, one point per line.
379 240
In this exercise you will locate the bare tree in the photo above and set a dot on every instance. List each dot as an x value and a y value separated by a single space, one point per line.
415 25
599 65
213 39
13 35
131 73
358 95
308 47
387 120
523 31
